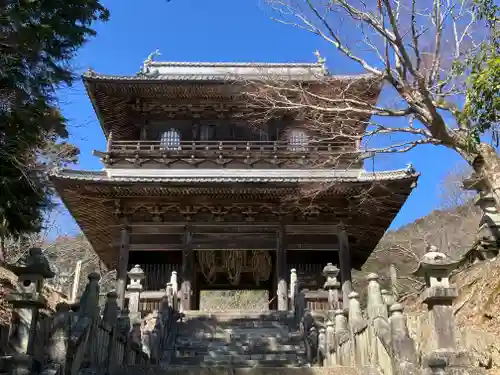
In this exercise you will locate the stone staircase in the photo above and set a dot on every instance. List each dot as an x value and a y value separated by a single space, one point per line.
238 339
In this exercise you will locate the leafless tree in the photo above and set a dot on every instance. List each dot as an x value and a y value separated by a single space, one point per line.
451 191
63 252
410 48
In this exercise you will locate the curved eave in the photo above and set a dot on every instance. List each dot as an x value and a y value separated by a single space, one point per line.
116 90
89 196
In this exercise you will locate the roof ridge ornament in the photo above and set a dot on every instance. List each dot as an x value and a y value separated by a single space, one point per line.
410 169
321 61
91 72
146 66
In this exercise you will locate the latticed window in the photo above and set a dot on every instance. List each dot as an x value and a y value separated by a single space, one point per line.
171 139
297 140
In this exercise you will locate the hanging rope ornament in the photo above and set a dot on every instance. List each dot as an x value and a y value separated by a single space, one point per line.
261 266
234 261
208 264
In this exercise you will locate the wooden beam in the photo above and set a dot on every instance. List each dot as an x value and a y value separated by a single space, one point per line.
232 227
121 277
281 269
187 271
177 247
345 267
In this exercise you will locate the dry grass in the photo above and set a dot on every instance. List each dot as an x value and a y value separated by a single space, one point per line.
223 300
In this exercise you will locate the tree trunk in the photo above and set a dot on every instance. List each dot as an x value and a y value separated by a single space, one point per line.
487 165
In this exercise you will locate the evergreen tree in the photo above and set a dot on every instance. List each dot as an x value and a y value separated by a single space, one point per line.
38 39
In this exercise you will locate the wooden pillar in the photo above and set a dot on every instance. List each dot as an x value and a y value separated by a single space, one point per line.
281 270
122 271
187 300
345 266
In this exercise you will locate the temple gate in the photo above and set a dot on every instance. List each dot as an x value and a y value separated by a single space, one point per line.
190 186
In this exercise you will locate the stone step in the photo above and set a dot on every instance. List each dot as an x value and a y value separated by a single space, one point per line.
236 331
200 336
238 315
250 360
234 370
184 351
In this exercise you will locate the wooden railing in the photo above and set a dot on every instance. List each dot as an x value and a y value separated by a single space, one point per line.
232 147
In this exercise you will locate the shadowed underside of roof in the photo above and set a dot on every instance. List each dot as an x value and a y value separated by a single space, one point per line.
206 83
366 204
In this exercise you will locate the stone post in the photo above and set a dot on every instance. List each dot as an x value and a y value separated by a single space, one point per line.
121 276
293 288
330 343
25 309
435 267
345 266
136 275
281 282
170 295
330 272
404 354
110 317
174 282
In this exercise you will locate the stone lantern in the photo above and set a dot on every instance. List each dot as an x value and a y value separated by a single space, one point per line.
26 304
330 272
435 267
134 288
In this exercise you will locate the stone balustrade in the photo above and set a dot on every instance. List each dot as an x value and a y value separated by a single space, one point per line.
80 336
377 336
373 334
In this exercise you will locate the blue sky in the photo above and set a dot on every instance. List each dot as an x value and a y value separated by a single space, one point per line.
217 30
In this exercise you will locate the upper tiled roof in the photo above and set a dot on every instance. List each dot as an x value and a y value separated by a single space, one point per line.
222 71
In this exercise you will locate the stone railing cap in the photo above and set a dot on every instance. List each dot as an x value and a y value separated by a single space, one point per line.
353 295
112 295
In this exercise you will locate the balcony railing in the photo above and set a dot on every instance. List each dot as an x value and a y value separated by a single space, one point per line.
231 147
